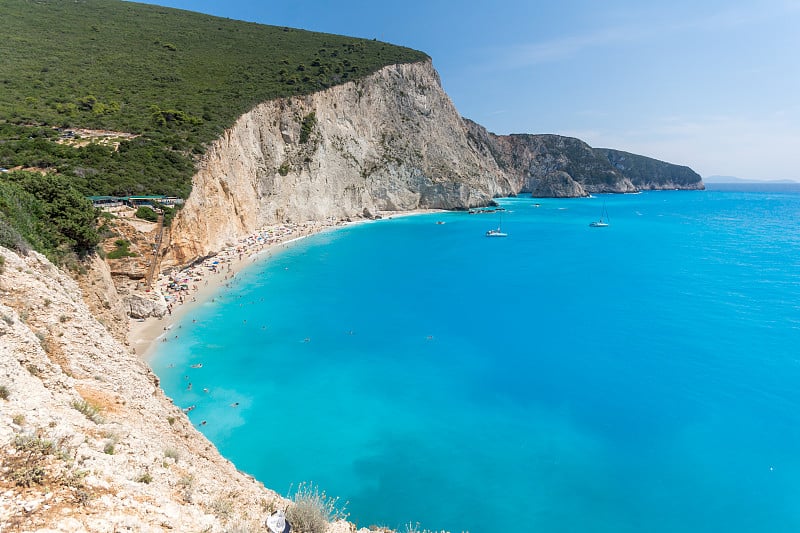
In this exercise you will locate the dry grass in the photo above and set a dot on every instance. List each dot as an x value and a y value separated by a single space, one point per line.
35 464
88 410
312 509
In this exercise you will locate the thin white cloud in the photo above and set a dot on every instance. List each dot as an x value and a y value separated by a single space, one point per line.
568 46
562 48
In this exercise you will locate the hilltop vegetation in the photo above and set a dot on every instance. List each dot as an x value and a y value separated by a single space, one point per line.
47 214
174 78
179 77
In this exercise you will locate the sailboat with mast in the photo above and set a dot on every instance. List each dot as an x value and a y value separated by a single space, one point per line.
603 222
497 232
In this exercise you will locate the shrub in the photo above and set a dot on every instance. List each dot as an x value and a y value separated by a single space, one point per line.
11 238
144 477
186 484
222 508
312 509
4 393
88 410
169 213
309 121
121 250
18 419
172 453
27 467
46 213
146 213
109 448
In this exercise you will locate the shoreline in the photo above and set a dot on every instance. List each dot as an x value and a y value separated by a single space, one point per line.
201 281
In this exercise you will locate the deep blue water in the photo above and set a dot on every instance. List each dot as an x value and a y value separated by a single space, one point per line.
640 377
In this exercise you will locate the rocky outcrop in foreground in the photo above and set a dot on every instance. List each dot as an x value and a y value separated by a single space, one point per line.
89 440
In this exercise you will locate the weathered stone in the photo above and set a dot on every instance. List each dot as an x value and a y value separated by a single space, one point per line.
144 307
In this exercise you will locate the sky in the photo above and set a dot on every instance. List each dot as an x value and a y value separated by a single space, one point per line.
712 84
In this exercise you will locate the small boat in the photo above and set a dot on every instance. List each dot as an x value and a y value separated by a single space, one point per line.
440 221
198 365
603 222
497 232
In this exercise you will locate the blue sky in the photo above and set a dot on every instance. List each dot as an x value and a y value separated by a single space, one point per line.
710 84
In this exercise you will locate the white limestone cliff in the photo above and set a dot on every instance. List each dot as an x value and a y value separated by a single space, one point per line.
391 141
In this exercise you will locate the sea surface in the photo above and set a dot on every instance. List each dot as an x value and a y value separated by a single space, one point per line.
639 377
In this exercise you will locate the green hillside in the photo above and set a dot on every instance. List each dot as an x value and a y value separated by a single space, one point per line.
142 68
176 79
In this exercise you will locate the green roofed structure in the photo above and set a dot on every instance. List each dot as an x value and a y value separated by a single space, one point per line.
134 201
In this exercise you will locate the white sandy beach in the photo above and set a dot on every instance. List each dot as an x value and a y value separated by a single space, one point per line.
198 283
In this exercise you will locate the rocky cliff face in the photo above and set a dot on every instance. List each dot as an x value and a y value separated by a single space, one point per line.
651 174
552 165
392 141
557 166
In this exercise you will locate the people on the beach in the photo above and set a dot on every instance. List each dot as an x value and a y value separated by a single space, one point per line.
180 287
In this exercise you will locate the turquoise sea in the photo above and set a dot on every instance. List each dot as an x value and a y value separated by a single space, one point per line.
640 377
